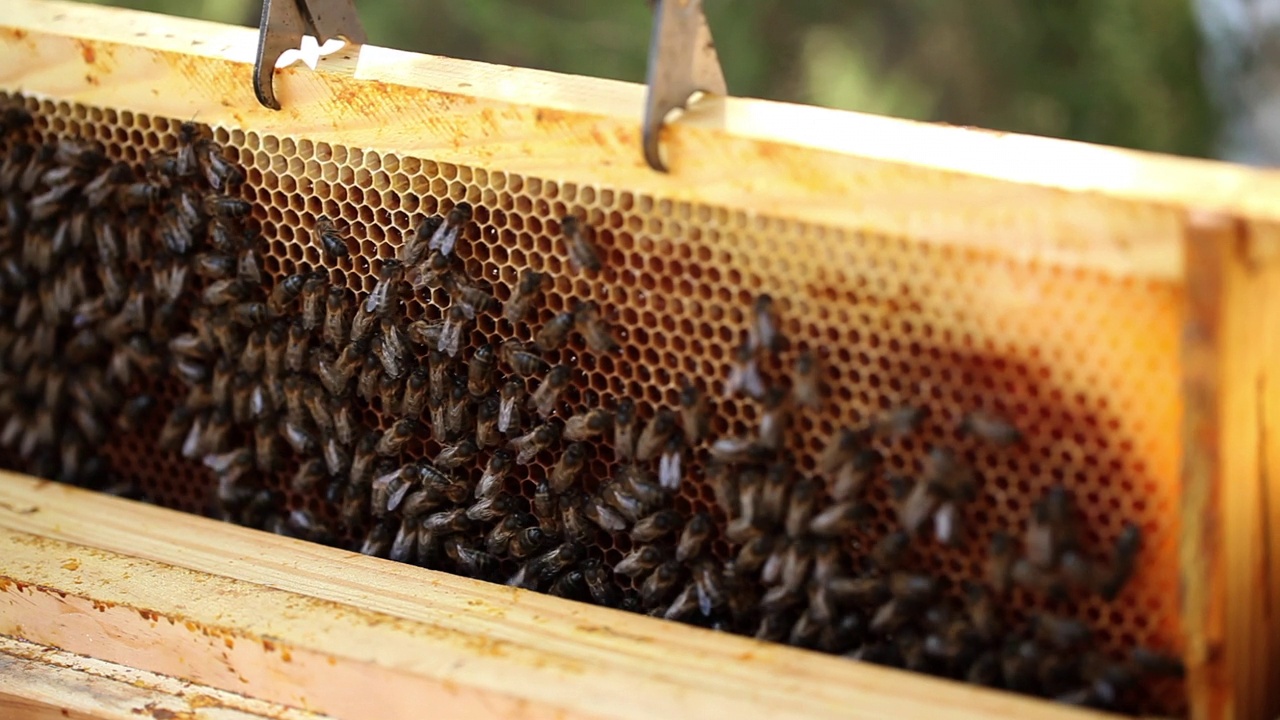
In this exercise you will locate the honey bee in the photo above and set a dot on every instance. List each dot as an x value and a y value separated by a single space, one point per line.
639 561
299 437
598 583
603 515
587 425
469 561
655 435
540 570
661 584
527 542
377 542
469 297
839 519
841 448
685 604
434 272
764 333
624 423
313 305
13 165
629 505
455 325
396 436
544 505
1046 581
458 414
134 410
523 296
414 400
215 266
991 428
694 537
309 474
1051 530
225 207
454 456
899 421
582 254
487 434
774 418
853 475
1154 663
890 551
329 239
498 540
101 187
946 523
914 501
1123 557
669 464
404 547
695 413
218 172
566 470
423 333
495 473
657 526
744 374
336 457
738 450
386 294
50 202
948 476
224 292
528 446
800 507
249 314
520 359
1062 633
572 519
417 245
554 333
593 328
286 291
480 371
369 383
710 587
335 317
446 235
391 351
492 509
444 522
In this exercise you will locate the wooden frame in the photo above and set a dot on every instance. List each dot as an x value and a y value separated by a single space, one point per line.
305 626
1209 226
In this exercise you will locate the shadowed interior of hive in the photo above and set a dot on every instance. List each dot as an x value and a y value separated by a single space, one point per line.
1081 362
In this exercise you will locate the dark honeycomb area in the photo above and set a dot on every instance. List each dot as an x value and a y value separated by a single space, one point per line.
1081 362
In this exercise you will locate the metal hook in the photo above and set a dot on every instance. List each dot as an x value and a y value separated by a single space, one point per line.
283 25
682 61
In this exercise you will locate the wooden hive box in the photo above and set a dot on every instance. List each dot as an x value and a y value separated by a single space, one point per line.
1122 308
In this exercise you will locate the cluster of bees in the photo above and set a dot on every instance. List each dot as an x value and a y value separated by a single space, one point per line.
112 276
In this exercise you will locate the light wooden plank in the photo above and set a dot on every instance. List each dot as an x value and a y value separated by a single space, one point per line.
334 632
39 682
1228 500
1043 200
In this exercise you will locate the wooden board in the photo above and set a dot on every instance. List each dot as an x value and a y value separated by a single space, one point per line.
38 682
337 633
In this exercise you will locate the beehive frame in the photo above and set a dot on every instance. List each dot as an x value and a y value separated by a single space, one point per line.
1030 202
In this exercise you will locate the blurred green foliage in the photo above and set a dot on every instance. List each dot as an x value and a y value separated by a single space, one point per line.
1120 72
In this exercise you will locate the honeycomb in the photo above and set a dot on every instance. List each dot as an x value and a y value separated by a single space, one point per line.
1078 360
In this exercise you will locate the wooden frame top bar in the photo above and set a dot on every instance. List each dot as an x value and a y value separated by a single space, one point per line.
1040 199
338 633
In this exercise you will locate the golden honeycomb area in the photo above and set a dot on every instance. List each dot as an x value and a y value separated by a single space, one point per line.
1079 361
